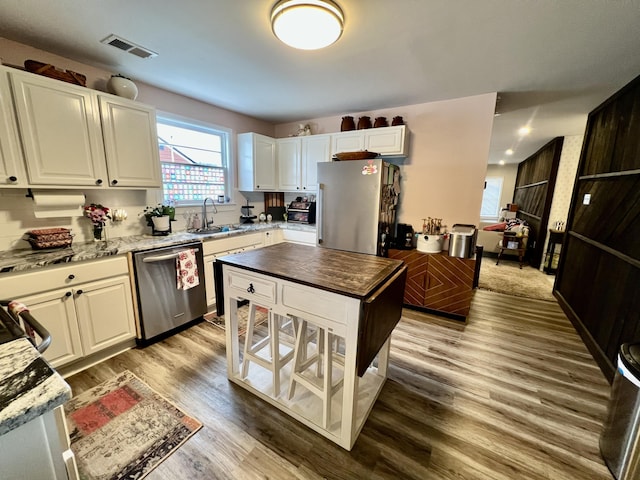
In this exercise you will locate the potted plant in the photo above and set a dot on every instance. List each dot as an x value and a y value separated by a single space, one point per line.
158 217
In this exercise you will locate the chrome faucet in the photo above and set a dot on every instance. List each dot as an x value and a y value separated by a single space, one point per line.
206 224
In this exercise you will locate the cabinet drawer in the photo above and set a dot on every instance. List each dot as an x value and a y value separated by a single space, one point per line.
232 243
18 284
315 302
252 287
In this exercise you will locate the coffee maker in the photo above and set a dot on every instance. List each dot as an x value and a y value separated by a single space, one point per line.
404 236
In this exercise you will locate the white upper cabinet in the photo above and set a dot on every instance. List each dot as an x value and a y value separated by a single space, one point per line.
130 143
315 149
352 141
73 136
387 140
390 141
60 130
256 163
12 171
288 153
298 158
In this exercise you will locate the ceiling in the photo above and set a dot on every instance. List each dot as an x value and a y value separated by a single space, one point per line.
552 61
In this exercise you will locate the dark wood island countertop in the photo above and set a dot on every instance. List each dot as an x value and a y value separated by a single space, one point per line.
352 274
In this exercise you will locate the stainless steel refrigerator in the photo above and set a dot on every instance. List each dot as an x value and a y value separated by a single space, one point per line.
357 201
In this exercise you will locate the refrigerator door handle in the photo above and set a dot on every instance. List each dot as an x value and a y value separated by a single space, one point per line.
319 213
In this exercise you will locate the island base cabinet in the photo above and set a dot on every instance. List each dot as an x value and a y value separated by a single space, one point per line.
38 450
339 314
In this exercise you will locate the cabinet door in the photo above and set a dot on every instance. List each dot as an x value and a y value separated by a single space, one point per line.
56 312
209 280
60 130
315 149
256 162
347 142
417 264
105 313
130 143
289 168
12 171
386 141
449 284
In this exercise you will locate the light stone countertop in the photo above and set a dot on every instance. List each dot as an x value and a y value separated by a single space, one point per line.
19 260
29 387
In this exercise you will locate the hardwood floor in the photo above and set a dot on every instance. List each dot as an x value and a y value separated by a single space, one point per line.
512 395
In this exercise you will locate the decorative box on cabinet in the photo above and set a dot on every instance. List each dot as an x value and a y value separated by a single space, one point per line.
438 283
256 163
87 307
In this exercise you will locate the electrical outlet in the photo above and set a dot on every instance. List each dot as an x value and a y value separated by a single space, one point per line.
587 199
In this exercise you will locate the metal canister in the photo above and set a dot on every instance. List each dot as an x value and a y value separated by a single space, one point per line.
462 241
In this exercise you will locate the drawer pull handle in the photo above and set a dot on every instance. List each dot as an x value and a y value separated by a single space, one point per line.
71 277
251 289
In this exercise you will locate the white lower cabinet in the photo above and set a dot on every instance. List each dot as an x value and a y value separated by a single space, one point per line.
299 236
86 307
213 249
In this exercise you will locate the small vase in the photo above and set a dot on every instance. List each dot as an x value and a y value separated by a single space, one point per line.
97 233
380 122
364 122
397 121
122 86
347 124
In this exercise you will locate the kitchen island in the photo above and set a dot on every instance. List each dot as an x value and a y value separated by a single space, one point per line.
356 297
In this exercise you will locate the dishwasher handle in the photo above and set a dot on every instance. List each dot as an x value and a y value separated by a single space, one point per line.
162 258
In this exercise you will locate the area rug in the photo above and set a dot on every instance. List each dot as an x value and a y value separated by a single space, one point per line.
243 317
122 429
508 278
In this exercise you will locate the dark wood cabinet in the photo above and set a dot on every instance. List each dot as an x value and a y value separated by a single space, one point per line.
438 283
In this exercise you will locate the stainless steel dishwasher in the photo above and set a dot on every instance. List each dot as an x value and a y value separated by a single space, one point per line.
162 306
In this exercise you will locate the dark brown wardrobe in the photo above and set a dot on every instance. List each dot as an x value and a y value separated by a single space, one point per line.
598 280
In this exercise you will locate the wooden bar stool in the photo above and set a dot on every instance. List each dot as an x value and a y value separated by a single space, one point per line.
323 358
271 358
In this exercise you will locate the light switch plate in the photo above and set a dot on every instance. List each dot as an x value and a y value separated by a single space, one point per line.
587 199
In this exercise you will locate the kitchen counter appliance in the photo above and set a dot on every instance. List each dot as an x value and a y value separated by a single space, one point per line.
302 212
162 306
462 240
357 204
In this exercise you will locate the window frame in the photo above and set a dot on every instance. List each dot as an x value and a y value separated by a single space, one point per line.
226 147
496 216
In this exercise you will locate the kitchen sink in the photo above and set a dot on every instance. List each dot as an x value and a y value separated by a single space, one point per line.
216 229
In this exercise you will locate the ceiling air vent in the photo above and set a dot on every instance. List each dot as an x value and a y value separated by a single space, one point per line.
128 46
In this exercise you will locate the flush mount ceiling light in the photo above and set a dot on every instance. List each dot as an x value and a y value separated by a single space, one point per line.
307 24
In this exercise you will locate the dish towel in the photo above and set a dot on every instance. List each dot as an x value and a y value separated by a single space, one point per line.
187 270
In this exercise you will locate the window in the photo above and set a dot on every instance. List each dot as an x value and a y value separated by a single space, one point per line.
491 198
194 159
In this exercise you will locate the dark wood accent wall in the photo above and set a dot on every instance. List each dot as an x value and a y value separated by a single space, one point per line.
535 183
599 272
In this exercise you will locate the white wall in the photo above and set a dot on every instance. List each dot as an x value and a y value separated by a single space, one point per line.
16 212
567 170
443 176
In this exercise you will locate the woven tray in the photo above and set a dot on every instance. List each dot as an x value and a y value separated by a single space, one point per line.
361 155
50 71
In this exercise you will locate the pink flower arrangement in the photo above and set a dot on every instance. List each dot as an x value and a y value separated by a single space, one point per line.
97 213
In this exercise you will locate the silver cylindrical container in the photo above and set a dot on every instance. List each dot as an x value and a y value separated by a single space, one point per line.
462 241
